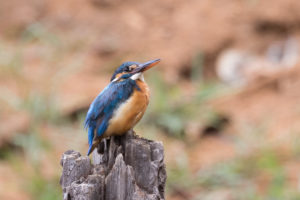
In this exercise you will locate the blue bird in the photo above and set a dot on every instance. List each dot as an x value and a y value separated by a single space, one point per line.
121 105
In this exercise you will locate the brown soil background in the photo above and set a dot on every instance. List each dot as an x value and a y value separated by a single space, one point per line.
68 50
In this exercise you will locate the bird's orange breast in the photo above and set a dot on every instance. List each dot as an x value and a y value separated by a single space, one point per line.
130 112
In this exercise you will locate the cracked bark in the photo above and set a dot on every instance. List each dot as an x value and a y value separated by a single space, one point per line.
130 168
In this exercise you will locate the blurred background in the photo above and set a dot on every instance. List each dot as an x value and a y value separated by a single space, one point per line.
225 98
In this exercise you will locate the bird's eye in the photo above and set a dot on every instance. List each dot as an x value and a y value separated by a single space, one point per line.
127 69
130 68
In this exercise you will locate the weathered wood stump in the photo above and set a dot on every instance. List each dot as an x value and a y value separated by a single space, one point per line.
129 168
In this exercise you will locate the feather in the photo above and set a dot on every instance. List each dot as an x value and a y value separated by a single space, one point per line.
102 108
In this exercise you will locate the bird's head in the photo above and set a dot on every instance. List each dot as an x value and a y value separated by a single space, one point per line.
133 70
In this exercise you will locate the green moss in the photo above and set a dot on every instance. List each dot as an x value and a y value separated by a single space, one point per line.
42 189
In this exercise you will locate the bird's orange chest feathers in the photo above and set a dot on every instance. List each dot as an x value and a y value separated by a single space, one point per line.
144 94
130 112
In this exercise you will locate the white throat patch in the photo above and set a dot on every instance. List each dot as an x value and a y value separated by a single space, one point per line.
138 76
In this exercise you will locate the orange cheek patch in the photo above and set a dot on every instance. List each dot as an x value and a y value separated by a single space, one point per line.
120 74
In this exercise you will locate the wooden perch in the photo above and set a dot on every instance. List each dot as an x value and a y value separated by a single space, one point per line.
131 168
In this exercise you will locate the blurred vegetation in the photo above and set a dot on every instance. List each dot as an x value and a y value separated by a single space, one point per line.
238 176
257 172
24 152
170 111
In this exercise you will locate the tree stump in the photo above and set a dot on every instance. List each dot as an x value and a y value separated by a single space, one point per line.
124 168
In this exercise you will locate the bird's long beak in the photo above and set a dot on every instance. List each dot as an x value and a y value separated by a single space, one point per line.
145 66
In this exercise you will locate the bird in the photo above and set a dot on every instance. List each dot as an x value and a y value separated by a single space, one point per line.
120 105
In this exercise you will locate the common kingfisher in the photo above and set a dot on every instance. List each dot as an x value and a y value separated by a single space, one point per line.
121 104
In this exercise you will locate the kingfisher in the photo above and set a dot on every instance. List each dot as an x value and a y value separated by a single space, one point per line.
120 105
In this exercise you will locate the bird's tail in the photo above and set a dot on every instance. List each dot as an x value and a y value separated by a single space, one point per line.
91 138
94 145
91 148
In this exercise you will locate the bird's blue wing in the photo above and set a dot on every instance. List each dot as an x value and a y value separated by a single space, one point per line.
102 108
